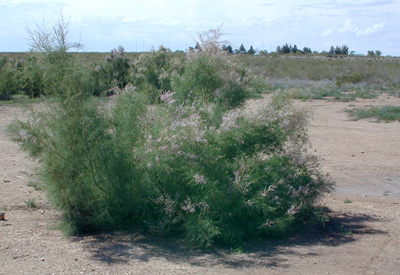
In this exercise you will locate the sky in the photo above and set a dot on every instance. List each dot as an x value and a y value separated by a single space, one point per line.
102 25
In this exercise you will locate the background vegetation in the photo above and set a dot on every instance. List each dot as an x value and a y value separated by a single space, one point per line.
305 76
386 113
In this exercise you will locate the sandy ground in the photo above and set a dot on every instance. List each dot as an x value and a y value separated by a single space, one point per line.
363 236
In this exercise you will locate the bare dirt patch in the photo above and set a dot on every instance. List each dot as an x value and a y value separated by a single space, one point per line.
363 236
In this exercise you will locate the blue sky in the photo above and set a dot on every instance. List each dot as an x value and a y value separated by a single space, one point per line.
138 25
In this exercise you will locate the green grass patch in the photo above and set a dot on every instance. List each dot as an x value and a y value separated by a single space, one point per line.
31 203
386 113
35 186
327 93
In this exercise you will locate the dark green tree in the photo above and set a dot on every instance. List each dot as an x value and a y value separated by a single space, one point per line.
286 48
345 50
338 50
197 47
294 49
227 48
251 50
307 50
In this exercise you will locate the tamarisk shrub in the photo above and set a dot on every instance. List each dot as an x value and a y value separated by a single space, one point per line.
186 166
166 170
112 73
8 79
152 72
57 64
31 82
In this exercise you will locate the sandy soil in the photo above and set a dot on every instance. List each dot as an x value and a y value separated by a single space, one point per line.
363 236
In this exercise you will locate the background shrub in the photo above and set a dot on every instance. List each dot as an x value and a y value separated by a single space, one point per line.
152 73
111 74
385 113
8 78
31 82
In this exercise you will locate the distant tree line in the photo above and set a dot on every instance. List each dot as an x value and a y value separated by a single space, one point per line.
285 49
241 50
288 49
227 48
339 50
374 53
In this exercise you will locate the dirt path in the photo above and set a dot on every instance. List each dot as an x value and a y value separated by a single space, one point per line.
361 156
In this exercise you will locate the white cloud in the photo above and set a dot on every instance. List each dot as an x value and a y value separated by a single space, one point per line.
328 32
361 3
345 4
130 19
349 26
253 21
169 22
371 30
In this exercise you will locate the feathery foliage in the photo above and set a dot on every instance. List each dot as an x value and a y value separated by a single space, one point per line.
186 166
